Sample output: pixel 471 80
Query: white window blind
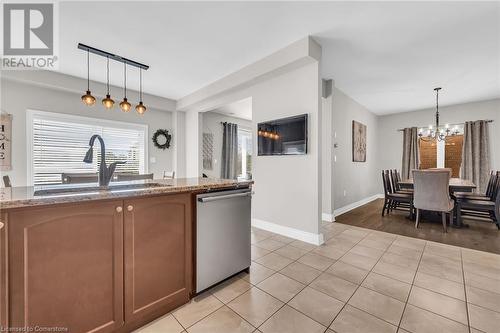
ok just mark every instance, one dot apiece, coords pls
pixel 59 143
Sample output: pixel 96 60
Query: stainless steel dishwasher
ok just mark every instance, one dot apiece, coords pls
pixel 222 235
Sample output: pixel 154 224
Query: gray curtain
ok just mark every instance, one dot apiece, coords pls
pixel 476 154
pixel 229 165
pixel 410 152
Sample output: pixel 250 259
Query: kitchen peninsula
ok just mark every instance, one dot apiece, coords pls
pixel 89 259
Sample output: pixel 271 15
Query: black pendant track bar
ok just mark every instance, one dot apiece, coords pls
pixel 112 56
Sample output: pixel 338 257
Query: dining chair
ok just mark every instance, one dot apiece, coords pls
pixel 168 174
pixel 79 178
pixel 489 209
pixel 122 176
pixel 431 193
pixel 393 200
pixel 395 179
pixel 490 190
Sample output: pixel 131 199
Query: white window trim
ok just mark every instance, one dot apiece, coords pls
pixel 30 114
pixel 244 151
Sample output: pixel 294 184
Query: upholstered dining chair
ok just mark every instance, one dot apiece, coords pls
pixel 431 193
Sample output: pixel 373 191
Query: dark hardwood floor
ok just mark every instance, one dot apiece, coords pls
pixel 483 236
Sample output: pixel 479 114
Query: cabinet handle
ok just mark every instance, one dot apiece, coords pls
pixel 1 225
pixel 119 209
pixel 130 208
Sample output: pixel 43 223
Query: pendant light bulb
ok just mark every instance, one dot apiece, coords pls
pixel 107 102
pixel 140 108
pixel 88 99
pixel 125 105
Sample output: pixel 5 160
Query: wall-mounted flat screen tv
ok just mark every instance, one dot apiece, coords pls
pixel 287 136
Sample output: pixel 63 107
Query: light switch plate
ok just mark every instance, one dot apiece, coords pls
pixel 152 159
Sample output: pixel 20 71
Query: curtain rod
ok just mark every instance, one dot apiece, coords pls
pixel 451 125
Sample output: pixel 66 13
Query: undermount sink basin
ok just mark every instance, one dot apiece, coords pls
pixel 65 190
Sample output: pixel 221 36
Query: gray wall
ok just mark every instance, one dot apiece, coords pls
pixel 17 97
pixel 212 124
pixel 391 141
pixel 357 179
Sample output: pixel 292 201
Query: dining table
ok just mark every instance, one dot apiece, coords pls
pixel 456 185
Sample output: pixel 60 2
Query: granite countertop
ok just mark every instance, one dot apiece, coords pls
pixel 28 196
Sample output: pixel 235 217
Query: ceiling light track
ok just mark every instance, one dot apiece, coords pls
pixel 108 102
pixel 112 56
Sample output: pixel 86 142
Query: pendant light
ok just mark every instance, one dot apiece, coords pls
pixel 140 108
pixel 88 99
pixel 125 105
pixel 107 102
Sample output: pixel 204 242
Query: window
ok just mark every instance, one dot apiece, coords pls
pixel 442 154
pixel 244 153
pixel 57 144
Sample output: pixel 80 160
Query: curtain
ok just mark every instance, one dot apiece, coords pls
pixel 410 152
pixel 229 167
pixel 476 154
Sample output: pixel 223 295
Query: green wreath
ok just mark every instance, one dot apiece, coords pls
pixel 164 133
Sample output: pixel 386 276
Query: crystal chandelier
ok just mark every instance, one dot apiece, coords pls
pixel 438 133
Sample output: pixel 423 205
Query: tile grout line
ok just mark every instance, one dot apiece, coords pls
pixel 359 285
pixel 305 286
pixel 411 286
pixel 465 291
pixel 371 232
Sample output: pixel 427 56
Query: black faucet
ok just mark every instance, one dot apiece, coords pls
pixel 105 173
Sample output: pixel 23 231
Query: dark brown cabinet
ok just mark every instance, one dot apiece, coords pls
pixel 96 267
pixel 157 255
pixel 66 267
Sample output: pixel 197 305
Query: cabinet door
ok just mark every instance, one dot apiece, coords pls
pixel 4 314
pixel 66 267
pixel 158 255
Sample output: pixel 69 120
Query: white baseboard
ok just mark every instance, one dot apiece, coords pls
pixel 328 217
pixel 308 237
pixel 345 209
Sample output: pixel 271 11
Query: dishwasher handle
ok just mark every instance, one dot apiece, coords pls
pixel 224 197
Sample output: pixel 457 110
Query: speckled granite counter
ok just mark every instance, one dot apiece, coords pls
pixel 18 197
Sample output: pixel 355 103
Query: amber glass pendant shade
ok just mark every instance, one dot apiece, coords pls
pixel 108 102
pixel 125 105
pixel 140 108
pixel 88 99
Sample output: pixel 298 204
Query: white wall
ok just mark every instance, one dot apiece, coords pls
pixel 287 188
pixel 327 184
pixel 391 141
pixel 212 124
pixel 359 180
pixel 17 97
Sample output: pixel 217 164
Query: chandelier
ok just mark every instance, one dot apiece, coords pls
pixel 438 133
pixel 108 102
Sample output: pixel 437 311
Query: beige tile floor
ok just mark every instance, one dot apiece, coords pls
pixel 360 280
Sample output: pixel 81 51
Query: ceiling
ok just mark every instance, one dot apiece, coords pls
pixel 388 56
pixel 239 109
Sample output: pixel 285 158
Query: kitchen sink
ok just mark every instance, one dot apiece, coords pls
pixel 85 189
